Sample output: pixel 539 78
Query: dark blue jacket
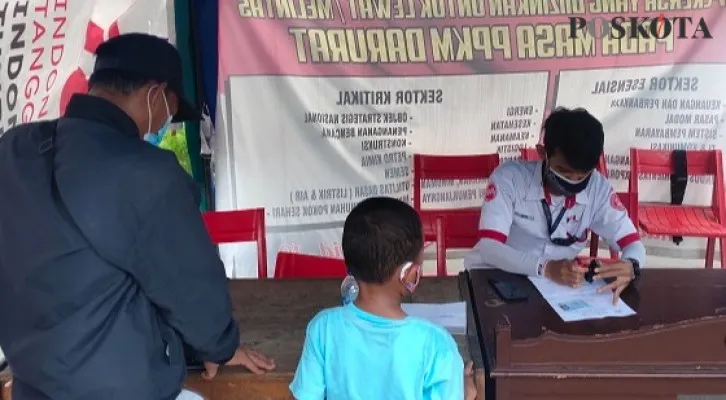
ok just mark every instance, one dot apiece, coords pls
pixel 103 315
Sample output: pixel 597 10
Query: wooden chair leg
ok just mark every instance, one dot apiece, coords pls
pixel 440 259
pixel 440 248
pixel 710 252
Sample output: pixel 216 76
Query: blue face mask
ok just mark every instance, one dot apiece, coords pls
pixel 156 137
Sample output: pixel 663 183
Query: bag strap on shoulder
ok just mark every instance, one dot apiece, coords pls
pixel 47 147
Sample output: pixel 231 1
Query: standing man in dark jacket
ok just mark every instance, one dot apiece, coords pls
pixel 106 268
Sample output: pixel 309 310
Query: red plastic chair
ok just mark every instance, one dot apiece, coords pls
pixel 529 154
pixel 292 265
pixel 684 220
pixel 240 226
pixel 450 228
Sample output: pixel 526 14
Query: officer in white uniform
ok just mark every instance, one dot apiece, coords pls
pixel 537 216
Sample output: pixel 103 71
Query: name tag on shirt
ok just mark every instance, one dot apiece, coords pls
pixel 523 216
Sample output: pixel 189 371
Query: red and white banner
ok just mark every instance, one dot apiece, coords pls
pixel 46 49
pixel 323 102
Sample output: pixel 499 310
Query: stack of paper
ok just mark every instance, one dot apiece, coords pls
pixel 578 304
pixel 451 316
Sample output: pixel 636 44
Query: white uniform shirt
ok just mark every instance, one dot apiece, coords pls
pixel 514 231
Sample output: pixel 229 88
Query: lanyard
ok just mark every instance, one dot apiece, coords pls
pixel 548 216
pixel 564 242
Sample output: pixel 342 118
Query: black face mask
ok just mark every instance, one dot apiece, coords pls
pixel 559 184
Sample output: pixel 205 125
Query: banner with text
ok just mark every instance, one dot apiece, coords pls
pixel 323 102
pixel 46 49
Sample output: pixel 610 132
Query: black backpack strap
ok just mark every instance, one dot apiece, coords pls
pixel 47 149
pixel 679 181
pixel 47 139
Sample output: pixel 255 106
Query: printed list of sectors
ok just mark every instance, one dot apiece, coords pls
pixel 361 133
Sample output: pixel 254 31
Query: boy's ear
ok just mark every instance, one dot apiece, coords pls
pixel 413 274
pixel 541 151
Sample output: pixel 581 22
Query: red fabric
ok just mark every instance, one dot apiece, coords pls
pixel 493 235
pixel 240 226
pixel 628 240
pixel 297 266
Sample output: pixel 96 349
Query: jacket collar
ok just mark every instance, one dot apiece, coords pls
pixel 100 110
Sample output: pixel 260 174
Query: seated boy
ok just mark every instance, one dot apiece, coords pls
pixel 371 349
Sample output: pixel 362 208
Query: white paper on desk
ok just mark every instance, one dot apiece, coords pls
pixel 451 316
pixel 579 304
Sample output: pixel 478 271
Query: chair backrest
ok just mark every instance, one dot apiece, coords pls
pixel 625 201
pixel 698 162
pixel 450 229
pixel 660 162
pixel 437 167
pixel 292 265
pixel 240 226
pixel 530 154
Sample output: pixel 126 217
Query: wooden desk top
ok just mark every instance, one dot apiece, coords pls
pixel 680 327
pixel 273 315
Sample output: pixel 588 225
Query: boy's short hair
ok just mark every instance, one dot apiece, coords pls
pixel 380 234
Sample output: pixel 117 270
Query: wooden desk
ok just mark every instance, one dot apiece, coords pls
pixel 675 345
pixel 273 315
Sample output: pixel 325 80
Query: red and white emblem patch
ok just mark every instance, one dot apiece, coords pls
pixel 615 202
pixel 491 192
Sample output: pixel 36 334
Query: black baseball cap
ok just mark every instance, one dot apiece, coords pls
pixel 149 57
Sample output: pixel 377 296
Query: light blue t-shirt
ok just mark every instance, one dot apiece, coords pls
pixel 350 354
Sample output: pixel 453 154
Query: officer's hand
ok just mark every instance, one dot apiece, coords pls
pixel 623 273
pixel 256 362
pixel 565 272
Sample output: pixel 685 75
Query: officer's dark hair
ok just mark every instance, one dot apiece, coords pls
pixel 379 235
pixel 577 134
pixel 121 82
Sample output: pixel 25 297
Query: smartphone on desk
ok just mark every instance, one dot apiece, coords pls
pixel 509 292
